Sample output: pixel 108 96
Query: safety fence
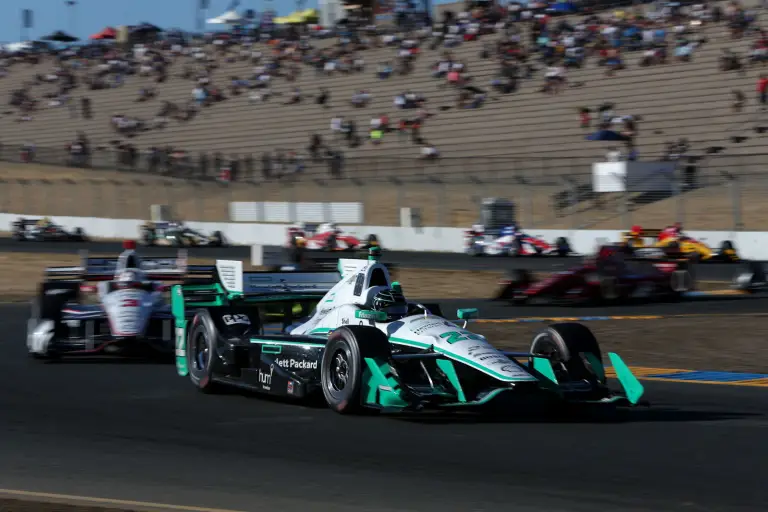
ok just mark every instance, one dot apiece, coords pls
pixel 719 193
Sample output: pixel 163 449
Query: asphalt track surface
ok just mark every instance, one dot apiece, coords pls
pixel 138 432
pixel 438 261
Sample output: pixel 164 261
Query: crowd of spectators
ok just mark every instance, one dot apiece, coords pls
pixel 526 46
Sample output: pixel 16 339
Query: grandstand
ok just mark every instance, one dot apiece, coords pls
pixel 517 145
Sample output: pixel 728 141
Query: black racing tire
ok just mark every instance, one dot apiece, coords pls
pixel 517 279
pixel 201 352
pixel 681 281
pixel 563 343
pixel 341 368
pixel 608 288
pixel 518 248
pixel 731 255
pixel 331 243
pixel 218 236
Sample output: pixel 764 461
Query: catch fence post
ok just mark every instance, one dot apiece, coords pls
pixel 736 206
pixel 680 197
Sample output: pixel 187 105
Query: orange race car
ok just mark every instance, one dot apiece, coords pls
pixel 672 242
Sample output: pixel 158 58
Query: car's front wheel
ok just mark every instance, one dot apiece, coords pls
pixel 341 369
pixel 573 352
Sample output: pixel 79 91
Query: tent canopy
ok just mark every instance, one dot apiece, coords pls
pixel 229 17
pixel 107 33
pixel 60 37
pixel 145 28
pixel 305 16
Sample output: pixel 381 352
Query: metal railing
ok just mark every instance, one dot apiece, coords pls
pixel 719 192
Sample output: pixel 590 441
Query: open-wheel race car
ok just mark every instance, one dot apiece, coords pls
pixel 672 242
pixel 352 338
pixel 177 234
pixel 44 230
pixel 511 241
pixel 327 237
pixel 612 275
pixel 128 316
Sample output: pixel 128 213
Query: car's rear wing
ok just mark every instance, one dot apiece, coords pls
pixel 104 268
pixel 644 233
pixel 234 280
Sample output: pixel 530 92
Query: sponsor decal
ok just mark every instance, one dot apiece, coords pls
pixel 345 321
pixel 296 364
pixel 366 315
pixel 180 345
pixel 265 379
pixel 290 387
pixel 236 319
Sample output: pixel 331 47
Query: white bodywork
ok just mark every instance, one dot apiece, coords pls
pixel 129 309
pixel 362 280
pixel 128 300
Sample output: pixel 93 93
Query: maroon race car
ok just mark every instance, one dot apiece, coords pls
pixel 611 276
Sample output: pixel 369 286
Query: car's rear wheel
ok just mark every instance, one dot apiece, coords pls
pixel 573 352
pixel 341 368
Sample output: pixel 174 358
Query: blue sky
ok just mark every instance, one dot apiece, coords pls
pixel 90 16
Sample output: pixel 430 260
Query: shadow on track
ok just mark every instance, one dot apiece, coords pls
pixel 576 415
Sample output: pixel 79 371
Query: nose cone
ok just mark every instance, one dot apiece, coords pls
pixel 128 312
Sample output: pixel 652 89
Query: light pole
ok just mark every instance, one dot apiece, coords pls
pixel 71 4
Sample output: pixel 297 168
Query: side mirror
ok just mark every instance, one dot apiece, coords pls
pixel 367 314
pixel 467 314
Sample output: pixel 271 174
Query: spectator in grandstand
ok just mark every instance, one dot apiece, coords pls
pixel 730 61
pixel 738 101
pixel 762 90
pixel 429 151
pixel 361 99
pixel 384 70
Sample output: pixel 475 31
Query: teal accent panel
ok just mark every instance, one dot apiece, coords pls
pixel 596 365
pixel 180 329
pixel 629 382
pixel 380 387
pixel 544 367
pixel 448 369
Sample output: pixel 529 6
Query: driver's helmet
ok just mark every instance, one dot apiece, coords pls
pixel 678 227
pixel 508 230
pixel 128 276
pixel 392 302
pixel 636 231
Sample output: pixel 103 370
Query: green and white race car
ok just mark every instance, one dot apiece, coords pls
pixel 353 338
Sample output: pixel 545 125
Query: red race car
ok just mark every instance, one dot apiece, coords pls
pixel 327 237
pixel 610 276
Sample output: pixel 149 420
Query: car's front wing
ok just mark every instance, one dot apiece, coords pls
pixel 383 389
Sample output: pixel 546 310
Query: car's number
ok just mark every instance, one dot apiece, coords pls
pixel 456 336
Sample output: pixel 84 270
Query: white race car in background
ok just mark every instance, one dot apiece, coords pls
pixel 510 241
pixel 129 316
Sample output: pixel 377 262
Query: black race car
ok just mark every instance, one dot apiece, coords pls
pixel 43 230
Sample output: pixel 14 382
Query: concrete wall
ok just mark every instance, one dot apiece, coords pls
pixel 749 244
